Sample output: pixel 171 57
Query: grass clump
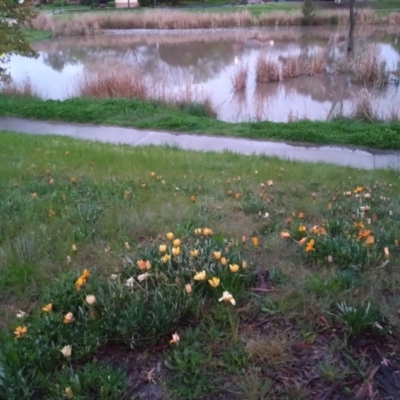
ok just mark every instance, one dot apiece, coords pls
pixel 125 271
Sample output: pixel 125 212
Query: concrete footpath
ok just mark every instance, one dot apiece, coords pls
pixel 134 137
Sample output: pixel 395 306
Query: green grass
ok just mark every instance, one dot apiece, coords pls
pixel 149 115
pixel 34 35
pixel 116 203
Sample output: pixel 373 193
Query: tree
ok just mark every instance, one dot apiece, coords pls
pixel 308 10
pixel 353 15
pixel 13 17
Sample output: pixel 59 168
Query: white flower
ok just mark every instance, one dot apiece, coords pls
pixel 143 277
pixel 266 215
pixel 226 296
pixel 90 299
pixel 67 351
pixel 175 339
pixel 130 282
pixel 270 182
pixel 21 314
pixel 114 277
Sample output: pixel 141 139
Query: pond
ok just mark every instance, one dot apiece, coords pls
pixel 206 61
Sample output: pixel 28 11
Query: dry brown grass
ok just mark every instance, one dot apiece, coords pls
pixel 315 64
pixel 367 67
pixel 23 88
pixel 363 108
pixel 111 81
pixel 87 24
pixel 291 68
pixel 239 78
pixel 267 69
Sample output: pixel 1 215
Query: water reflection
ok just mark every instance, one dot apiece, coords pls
pixel 207 60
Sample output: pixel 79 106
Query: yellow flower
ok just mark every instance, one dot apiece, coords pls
pixel 176 242
pixel 194 253
pixel 68 392
pixel 163 248
pixel 237 196
pixel 166 258
pixel 244 264
pixel 47 308
pixel 90 299
pixel 68 318
pixel 152 173
pixel 359 225
pixel 214 281
pixel 74 248
pixel 207 232
pixel 20 331
pixel 127 194
pixel 285 235
pixel 176 251
pixel 51 181
pixel 310 245
pixel 170 236
pixel 81 281
pixel 200 276
pixel 359 189
pixel 175 338
pixel 188 288
pixel 217 255
pixel 224 261
pixel 370 240
pixel 234 267
pixel 302 228
pixel 66 351
pixel 226 296
pixel 198 231
pixel 193 199
pixel 255 241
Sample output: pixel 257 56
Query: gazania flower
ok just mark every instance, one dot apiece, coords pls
pixel 20 331
pixel 176 251
pixel 364 233
pixel 193 199
pixel 302 241
pixel 194 253
pixel 227 297
pixel 47 308
pixel 166 258
pixel 68 392
pixel 85 273
pixel 237 196
pixel 170 236
pixel 130 282
pixel 143 265
pixel 127 246
pixel 163 248
pixel 152 173
pixel 359 225
pixel 223 261
pixel 200 276
pixel 175 338
pixel 367 195
pixel 310 245
pixel 207 232
pixel 244 264
pixel 318 230
pixel 127 193
pixel 270 182
pixel 34 195
pixel 198 231
pixel 285 235
pixel 81 281
pixel 255 241
pixel 90 299
pixel 66 351
pixel 358 189
pixel 72 179
pixel 214 281
pixel 302 228
pixel 188 288
pixel 234 267
pixel 51 181
pixel 68 318
pixel 69 260
pixel 143 277
pixel 370 240
pixel 74 248
pixel 176 242
pixel 217 255
pixel 386 252
pixel 20 314
pixel 301 215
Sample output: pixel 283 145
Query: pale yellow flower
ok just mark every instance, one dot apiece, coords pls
pixel 175 338
pixel 224 261
pixel 244 264
pixel 188 288
pixel 244 239
pixel 20 331
pixel 90 299
pixel 194 253
pixel 200 276
pixel 176 242
pixel 217 255
pixel 285 235
pixel 214 281
pixel 162 248
pixel 127 246
pixel 198 231
pixel 227 297
pixel 66 351
pixel 74 248
pixel 270 182
pixel 207 232
pixel 176 251
pixel 68 318
pixel 234 267
pixel 170 236
pixel 166 258
pixel 68 392
pixel 20 314
pixel 143 277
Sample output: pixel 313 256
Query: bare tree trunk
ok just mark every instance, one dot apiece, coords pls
pixel 350 46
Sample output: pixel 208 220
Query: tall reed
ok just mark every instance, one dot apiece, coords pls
pixel 267 69
pixel 239 78
pixel 363 106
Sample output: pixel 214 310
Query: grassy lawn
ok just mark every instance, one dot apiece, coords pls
pixel 309 254
pixel 156 116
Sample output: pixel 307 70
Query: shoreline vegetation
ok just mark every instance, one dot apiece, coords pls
pixel 192 119
pixel 95 23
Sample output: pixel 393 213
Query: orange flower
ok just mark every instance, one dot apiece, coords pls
pixel 364 233
pixel 370 240
pixel 237 196
pixel 310 245
pixel 318 230
pixel 301 215
pixel 255 241
pixel 81 281
pixel 302 241
pixel 143 265
pixel 359 189
pixel 85 273
pixel 193 199
pixel 229 192
pixel 72 179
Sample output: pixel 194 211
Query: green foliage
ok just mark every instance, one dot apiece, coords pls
pixel 151 115
pixel 308 10
pixel 12 38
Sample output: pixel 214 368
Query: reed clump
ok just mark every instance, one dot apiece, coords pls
pixel 239 78
pixel 267 69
